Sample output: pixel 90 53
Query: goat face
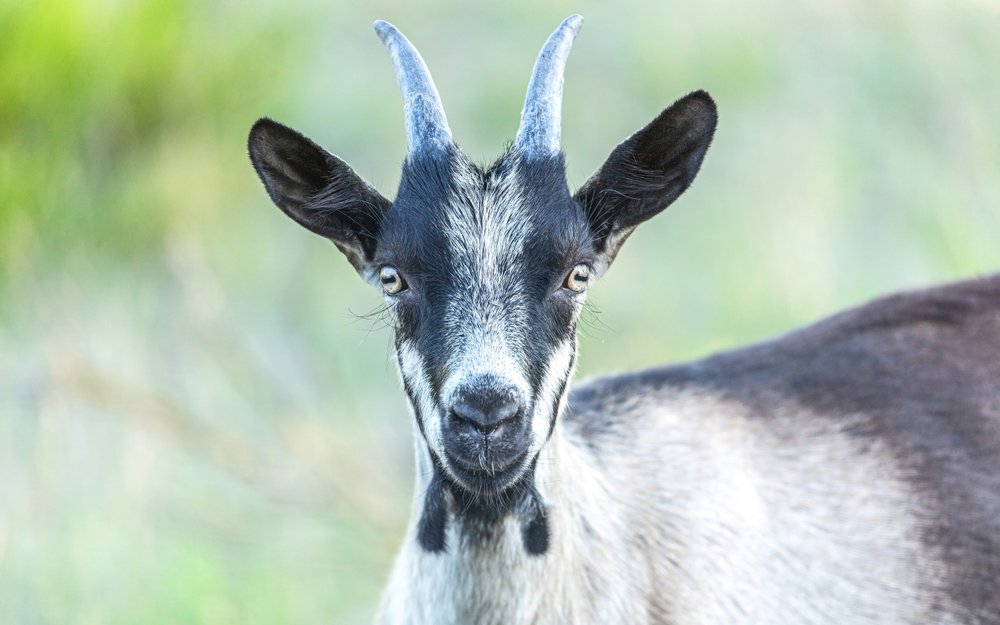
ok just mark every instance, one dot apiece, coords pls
pixel 485 270
pixel 485 273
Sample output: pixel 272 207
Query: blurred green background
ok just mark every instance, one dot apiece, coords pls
pixel 198 425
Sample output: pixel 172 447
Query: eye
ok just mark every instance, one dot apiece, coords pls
pixel 392 282
pixel 578 279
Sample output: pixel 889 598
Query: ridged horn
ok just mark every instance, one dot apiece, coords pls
pixel 426 126
pixel 541 119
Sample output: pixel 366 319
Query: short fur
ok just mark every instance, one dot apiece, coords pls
pixel 847 473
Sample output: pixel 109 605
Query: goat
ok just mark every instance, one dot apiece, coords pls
pixel 848 472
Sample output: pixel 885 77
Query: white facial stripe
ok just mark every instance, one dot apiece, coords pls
pixel 557 371
pixel 487 226
pixel 411 368
pixel 485 351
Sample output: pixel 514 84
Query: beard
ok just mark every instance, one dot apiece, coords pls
pixel 482 514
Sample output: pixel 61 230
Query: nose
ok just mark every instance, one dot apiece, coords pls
pixel 486 411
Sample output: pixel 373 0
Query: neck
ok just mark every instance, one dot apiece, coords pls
pixel 485 574
pixel 445 502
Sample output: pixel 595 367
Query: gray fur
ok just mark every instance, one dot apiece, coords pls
pixel 426 126
pixel 541 119
pixel 847 473
pixel 812 479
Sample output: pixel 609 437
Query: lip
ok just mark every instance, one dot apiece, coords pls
pixel 482 482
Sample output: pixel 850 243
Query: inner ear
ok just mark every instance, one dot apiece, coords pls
pixel 318 190
pixel 649 170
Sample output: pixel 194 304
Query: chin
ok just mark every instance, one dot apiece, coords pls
pixel 489 487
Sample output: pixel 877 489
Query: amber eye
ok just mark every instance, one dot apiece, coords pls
pixel 392 282
pixel 578 279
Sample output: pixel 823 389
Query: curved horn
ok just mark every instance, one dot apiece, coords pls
pixel 541 119
pixel 426 126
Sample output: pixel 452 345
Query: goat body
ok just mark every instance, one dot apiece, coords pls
pixel 848 473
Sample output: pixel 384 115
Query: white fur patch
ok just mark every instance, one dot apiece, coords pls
pixel 558 370
pixel 486 327
pixel 411 368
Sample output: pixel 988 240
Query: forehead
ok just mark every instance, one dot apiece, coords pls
pixel 450 213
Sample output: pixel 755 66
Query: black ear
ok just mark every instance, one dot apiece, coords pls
pixel 318 190
pixel 648 171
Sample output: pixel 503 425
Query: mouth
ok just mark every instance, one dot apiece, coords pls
pixel 487 480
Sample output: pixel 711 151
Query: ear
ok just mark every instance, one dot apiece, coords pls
pixel 318 190
pixel 648 171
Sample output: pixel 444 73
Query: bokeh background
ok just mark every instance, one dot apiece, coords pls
pixel 199 423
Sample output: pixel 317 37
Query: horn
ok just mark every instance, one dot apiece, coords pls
pixel 426 126
pixel 541 119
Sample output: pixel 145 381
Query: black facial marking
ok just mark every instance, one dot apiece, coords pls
pixel 533 516
pixel 434 519
pixel 479 516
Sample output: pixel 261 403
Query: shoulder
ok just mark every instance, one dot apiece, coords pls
pixel 912 344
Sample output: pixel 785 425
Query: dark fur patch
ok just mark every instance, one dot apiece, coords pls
pixel 318 190
pixel 649 170
pixel 480 517
pixel 434 519
pixel 533 516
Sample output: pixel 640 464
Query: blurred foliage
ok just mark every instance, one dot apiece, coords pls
pixel 102 104
pixel 198 421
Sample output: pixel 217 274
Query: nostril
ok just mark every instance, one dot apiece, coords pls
pixel 465 414
pixel 485 414
pixel 506 410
